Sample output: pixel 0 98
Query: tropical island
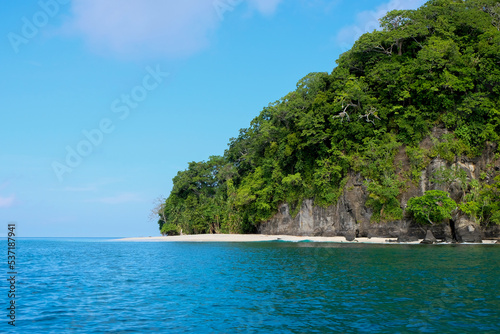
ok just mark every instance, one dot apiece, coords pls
pixel 400 140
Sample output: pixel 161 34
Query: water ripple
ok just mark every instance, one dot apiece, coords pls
pixel 97 287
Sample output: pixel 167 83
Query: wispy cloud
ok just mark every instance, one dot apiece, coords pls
pixel 121 198
pixel 368 21
pixel 151 27
pixel 7 202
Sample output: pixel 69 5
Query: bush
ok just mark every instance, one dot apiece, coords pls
pixel 434 207
pixel 170 229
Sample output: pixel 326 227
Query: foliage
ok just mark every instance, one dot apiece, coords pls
pixel 418 161
pixel 438 65
pixel 383 200
pixel 449 148
pixel 447 176
pixel 433 207
pixel 483 202
pixel 490 200
pixel 169 229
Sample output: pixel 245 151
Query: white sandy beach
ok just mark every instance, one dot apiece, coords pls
pixel 255 238
pixel 262 237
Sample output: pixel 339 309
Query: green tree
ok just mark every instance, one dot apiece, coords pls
pixel 437 66
pixel 433 207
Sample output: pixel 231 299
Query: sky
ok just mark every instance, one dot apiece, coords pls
pixel 104 101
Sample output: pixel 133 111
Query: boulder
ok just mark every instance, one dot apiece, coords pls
pixel 467 230
pixel 442 231
pixel 491 231
pixel 350 236
pixel 429 238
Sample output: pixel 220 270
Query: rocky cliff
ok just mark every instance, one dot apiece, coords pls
pixel 350 217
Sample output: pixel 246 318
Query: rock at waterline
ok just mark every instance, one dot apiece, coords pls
pixel 429 238
pixel 350 236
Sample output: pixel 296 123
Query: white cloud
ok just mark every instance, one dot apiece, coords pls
pixel 119 199
pixel 367 21
pixel 152 27
pixel 7 202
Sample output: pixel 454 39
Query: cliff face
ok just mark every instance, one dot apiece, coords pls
pixel 350 217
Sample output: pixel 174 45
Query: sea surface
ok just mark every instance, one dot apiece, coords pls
pixel 100 286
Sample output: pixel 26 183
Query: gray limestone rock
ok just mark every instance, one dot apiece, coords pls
pixel 350 216
pixel 350 236
pixel 467 230
pixel 429 238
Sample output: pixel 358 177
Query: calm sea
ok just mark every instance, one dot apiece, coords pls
pixel 98 286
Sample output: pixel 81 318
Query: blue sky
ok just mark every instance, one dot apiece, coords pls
pixel 104 101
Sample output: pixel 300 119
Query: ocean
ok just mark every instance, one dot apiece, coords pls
pixel 73 285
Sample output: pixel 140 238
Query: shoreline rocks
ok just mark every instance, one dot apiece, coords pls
pixel 351 217
pixel 429 238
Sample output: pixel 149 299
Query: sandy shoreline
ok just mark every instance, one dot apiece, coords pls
pixel 262 237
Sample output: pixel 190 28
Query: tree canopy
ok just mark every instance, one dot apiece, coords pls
pixel 438 65
pixel 434 207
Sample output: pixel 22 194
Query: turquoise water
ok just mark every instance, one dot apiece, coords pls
pixel 96 286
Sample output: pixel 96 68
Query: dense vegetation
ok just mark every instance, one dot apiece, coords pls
pixel 435 66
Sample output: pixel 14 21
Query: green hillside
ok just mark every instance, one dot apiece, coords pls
pixel 438 66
